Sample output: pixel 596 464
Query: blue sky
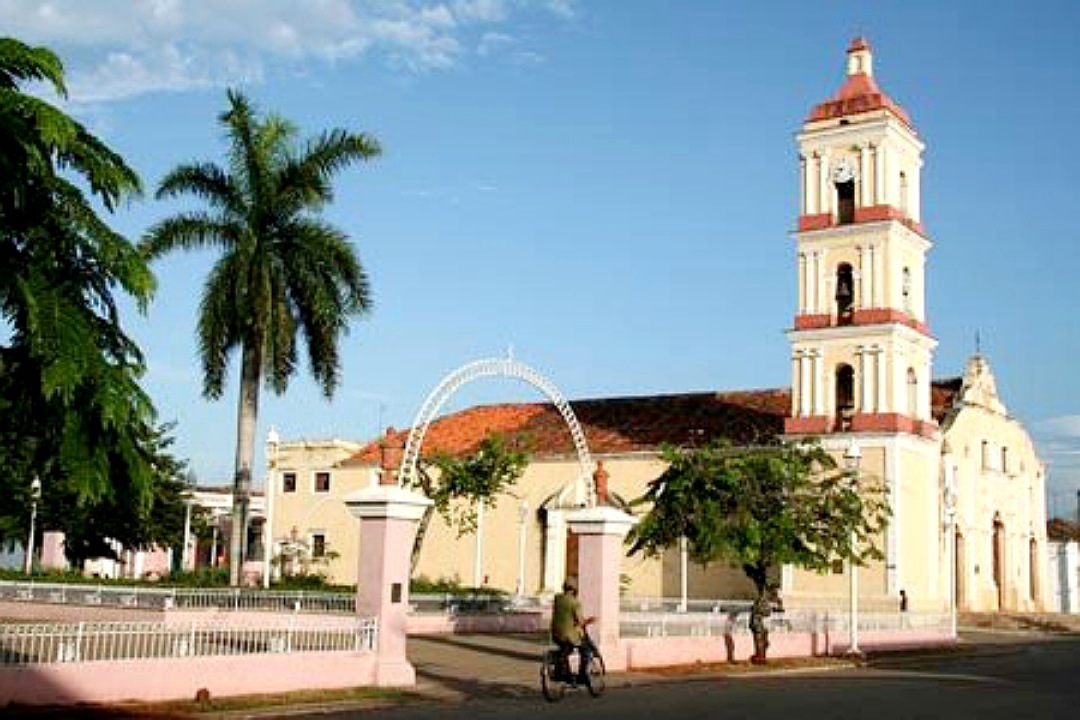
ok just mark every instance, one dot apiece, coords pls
pixel 606 186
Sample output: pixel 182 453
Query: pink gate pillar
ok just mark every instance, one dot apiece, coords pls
pixel 388 517
pixel 52 551
pixel 600 532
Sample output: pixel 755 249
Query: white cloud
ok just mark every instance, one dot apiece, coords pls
pixel 119 48
pixel 1064 426
pixel 493 42
pixel 562 8
pixel 488 11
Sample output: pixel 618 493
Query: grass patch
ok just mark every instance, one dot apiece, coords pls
pixel 299 699
pixel 745 667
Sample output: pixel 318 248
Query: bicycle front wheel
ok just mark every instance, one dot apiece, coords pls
pixel 596 676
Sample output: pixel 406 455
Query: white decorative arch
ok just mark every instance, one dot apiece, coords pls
pixel 495 367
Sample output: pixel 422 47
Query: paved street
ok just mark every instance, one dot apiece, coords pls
pixel 996 677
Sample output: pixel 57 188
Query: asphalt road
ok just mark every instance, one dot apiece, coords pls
pixel 996 677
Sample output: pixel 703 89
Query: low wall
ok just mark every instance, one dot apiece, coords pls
pixel 181 678
pixel 441 624
pixel 60 613
pixel 653 652
pixel 254 618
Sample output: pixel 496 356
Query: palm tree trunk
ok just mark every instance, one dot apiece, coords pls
pixel 247 415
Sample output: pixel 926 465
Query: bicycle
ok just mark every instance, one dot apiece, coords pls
pixel 555 681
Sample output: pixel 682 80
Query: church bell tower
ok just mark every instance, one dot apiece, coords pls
pixel 861 347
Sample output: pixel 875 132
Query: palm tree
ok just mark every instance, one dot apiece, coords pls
pixel 282 269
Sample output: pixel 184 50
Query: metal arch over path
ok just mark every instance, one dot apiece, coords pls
pixel 493 367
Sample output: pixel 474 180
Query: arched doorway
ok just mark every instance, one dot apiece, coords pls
pixel 961 579
pixel 845 200
pixel 845 294
pixel 845 396
pixel 999 560
pixel 1033 573
pixel 912 393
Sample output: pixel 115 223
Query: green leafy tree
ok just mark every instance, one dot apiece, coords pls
pixel 761 508
pixel 283 272
pixel 72 412
pixel 461 484
pixel 90 528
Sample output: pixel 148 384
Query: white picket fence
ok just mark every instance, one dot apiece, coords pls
pixel 149 598
pixel 31 644
pixel 708 624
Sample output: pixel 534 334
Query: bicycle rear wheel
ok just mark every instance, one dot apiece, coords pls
pixel 553 689
pixel 597 676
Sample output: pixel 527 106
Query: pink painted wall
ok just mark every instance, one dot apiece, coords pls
pixel 180 678
pixel 52 551
pixel 156 563
pixel 666 651
pixel 256 618
pixel 437 624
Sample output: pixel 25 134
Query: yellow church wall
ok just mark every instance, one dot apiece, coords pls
pixel 1014 494
pixel 918 526
pixel 446 555
pixel 831 589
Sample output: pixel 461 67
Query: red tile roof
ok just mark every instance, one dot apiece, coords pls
pixel 859 93
pixel 611 425
pixel 625 424
pixel 943 394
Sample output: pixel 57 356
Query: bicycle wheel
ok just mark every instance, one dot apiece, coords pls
pixel 597 676
pixel 553 689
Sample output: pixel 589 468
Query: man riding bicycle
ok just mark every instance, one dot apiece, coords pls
pixel 568 630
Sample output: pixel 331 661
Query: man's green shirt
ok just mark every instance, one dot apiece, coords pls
pixel 566 618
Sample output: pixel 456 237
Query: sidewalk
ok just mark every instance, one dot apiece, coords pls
pixel 459 668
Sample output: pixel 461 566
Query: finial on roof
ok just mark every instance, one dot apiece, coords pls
pixel 978 343
pixel 860 59
pixel 510 352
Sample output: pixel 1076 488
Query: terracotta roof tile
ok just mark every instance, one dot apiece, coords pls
pixel 859 93
pixel 625 424
pixel 611 425
pixel 943 394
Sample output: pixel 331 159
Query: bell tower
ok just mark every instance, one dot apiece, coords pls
pixel 861 347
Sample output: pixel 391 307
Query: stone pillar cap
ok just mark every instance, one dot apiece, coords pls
pixel 387 501
pixel 600 520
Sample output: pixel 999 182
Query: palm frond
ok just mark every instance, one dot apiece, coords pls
pixel 206 181
pixel 190 231
pixel 221 311
pixel 20 62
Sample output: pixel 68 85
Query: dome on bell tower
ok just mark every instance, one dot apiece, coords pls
pixel 860 92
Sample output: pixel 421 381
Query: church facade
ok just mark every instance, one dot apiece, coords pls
pixel 963 480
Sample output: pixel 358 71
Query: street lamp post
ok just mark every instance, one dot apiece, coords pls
pixel 523 516
pixel 950 531
pixel 853 459
pixel 683 568
pixel 35 495
pixel 273 443
pixel 185 552
pixel 478 560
